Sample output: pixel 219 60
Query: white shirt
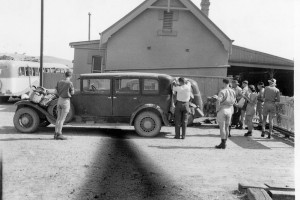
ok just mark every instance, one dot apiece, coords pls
pixel 183 92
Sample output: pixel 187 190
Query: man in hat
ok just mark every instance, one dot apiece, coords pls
pixel 183 92
pixel 271 97
pixel 245 92
pixel 225 100
pixel 237 111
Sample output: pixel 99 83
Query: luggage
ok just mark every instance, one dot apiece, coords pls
pixel 36 97
pixel 46 100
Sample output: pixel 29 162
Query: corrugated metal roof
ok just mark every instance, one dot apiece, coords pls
pixel 241 55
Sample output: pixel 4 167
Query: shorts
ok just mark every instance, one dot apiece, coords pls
pixel 63 104
pixel 224 115
pixel 269 109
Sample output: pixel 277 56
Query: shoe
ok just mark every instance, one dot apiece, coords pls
pixel 248 134
pixel 229 135
pixel 55 136
pixel 269 136
pixel 262 134
pixel 222 145
pixel 183 138
pixel 176 137
pixel 61 137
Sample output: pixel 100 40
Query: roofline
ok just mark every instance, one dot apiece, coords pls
pixel 72 44
pixel 266 54
pixel 197 12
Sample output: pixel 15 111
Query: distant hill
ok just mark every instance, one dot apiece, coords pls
pixel 47 59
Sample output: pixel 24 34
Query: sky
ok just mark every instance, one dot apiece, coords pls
pixel 262 25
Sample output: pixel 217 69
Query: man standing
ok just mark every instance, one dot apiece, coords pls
pixel 237 111
pixel 271 97
pixel 260 101
pixel 65 90
pixel 183 94
pixel 245 92
pixel 225 101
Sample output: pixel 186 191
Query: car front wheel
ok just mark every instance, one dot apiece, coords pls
pixel 147 124
pixel 26 120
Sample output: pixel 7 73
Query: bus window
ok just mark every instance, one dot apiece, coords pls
pixel 28 71
pixel 36 71
pixel 21 71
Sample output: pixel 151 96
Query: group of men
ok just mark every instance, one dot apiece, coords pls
pixel 228 106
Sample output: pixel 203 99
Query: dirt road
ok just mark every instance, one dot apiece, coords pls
pixel 118 164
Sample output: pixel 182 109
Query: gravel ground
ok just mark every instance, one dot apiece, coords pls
pixel 118 164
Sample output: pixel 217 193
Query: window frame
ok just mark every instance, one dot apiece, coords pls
pixel 150 94
pixel 127 93
pixel 93 92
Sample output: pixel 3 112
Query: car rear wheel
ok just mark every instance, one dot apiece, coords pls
pixel 52 110
pixel 26 120
pixel 147 124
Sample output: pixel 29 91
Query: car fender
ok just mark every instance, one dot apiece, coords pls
pixel 151 106
pixel 35 106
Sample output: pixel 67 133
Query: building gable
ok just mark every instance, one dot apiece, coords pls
pixel 168 5
pixel 173 3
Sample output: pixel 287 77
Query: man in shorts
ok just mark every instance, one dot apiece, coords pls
pixel 225 101
pixel 271 97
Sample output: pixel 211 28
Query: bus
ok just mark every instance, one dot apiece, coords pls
pixel 17 77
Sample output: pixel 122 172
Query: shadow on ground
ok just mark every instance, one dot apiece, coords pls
pixel 247 143
pixel 125 172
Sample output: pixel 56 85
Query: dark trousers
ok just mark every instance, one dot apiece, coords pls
pixel 235 120
pixel 182 110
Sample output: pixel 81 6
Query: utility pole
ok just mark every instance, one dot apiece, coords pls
pixel 42 43
pixel 89 26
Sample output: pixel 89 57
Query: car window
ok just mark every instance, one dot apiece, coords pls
pixel 150 86
pixel 99 86
pixel 127 86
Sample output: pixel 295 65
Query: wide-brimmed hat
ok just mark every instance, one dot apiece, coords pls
pixel 246 82
pixel 272 81
pixel 235 81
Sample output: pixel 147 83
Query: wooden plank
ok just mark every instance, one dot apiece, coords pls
pixel 257 194
pixel 242 187
pixel 279 187
pixel 282 195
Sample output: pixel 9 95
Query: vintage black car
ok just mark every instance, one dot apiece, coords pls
pixel 141 100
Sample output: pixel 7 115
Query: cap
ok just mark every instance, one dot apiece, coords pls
pixel 272 81
pixel 235 81
pixel 245 81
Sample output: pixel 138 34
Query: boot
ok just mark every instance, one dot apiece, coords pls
pixel 262 134
pixel 61 137
pixel 222 145
pixel 269 135
pixel 248 134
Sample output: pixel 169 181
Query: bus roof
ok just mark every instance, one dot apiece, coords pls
pixel 12 63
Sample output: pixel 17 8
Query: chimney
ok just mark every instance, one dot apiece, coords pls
pixel 205 7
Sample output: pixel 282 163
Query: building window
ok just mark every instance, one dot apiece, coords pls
pixel 168 21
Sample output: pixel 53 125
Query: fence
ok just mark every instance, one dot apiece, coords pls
pixel 285 114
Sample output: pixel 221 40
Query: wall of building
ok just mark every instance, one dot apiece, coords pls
pixel 83 57
pixel 194 50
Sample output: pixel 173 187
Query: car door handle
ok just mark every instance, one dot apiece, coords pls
pixel 134 98
pixel 109 97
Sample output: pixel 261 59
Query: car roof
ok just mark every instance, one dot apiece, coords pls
pixel 126 74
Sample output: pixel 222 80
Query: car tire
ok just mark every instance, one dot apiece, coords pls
pixel 52 110
pixel 147 124
pixel 26 120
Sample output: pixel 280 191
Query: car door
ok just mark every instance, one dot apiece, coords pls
pixel 95 98
pixel 126 96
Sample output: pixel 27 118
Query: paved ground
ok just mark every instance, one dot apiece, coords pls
pixel 117 164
